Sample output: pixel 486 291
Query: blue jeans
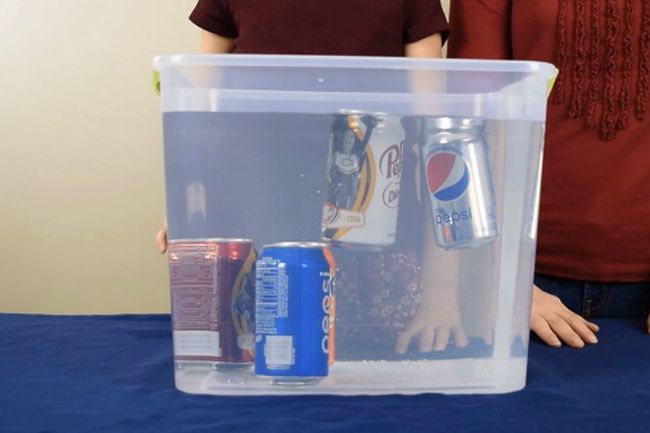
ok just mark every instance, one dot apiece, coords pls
pixel 593 299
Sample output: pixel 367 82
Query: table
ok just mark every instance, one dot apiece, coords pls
pixel 114 374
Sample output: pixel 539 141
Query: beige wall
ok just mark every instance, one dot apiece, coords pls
pixel 80 153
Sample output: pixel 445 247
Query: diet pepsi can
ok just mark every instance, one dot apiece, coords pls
pixel 213 305
pixel 459 182
pixel 364 172
pixel 292 307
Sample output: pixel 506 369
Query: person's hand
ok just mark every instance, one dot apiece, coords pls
pixel 648 323
pixel 555 324
pixel 161 239
pixel 437 318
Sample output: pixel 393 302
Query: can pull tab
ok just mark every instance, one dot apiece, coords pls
pixel 551 82
pixel 156 82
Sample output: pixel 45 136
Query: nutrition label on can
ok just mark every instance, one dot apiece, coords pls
pixel 194 292
pixel 193 278
pixel 272 293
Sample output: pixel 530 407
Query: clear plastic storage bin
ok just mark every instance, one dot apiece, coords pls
pixel 419 179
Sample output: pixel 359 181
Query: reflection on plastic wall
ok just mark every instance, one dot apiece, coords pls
pixel 196 202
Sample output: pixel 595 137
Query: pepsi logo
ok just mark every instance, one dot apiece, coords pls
pixel 447 175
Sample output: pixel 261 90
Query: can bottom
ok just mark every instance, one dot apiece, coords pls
pixel 292 380
pixel 232 365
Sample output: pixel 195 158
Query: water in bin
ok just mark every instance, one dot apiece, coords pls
pixel 378 272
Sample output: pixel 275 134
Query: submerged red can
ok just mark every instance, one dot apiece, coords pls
pixel 213 300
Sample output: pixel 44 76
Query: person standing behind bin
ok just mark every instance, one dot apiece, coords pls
pixel 593 246
pixel 411 28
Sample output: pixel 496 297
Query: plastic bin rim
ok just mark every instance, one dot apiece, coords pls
pixel 309 61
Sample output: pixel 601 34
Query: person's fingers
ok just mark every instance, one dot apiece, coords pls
pixel 648 323
pixel 402 343
pixel 567 326
pixel 580 327
pixel 404 338
pixel 161 240
pixel 565 332
pixel 442 339
pixel 459 336
pixel 592 326
pixel 540 327
pixel 488 336
pixel 426 339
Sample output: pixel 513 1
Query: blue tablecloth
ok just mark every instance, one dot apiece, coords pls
pixel 114 374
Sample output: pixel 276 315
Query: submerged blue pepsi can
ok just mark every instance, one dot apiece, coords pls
pixel 293 303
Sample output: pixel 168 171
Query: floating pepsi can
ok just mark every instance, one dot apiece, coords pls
pixel 293 302
pixel 459 182
pixel 364 172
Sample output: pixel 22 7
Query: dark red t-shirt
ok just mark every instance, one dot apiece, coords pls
pixel 594 221
pixel 324 27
